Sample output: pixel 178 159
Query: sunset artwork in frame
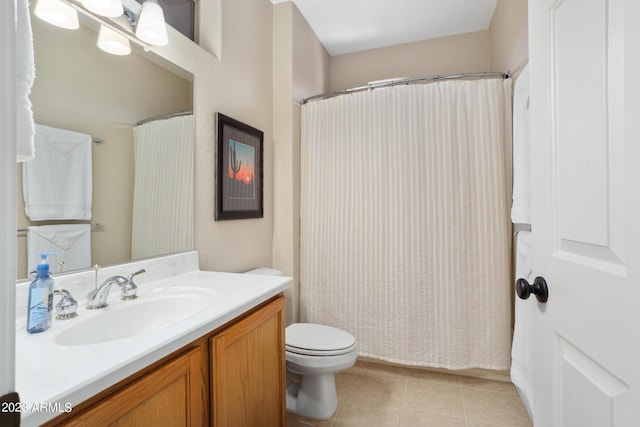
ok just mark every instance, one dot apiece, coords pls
pixel 239 170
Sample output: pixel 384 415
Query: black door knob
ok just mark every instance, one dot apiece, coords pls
pixel 538 288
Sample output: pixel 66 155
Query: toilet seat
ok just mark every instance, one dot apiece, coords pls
pixel 307 352
pixel 311 339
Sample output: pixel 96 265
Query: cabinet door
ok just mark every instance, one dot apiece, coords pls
pixel 172 395
pixel 248 370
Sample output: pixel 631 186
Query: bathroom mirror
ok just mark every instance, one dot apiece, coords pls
pixel 78 87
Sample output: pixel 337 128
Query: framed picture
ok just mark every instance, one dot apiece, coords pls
pixel 239 172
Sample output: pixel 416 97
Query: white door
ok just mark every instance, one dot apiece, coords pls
pixel 585 134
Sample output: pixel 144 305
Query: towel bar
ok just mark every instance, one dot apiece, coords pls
pixel 94 227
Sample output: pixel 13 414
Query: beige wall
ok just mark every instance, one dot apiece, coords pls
pixel 238 82
pixel 464 53
pixel 508 36
pixel 79 87
pixel 510 50
pixel 311 62
pixel 301 69
pixel 239 85
pixel 503 47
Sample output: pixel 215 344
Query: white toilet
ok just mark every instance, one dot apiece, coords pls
pixel 314 353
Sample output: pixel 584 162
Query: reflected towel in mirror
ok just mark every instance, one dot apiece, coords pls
pixel 71 244
pixel 57 183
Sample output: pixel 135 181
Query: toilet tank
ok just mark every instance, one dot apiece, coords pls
pixel 288 293
pixel 265 271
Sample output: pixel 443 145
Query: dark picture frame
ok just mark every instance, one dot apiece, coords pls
pixel 239 177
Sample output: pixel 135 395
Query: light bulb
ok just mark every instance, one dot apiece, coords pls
pixel 57 13
pixel 112 42
pixel 151 27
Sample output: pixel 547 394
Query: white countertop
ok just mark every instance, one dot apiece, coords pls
pixel 51 377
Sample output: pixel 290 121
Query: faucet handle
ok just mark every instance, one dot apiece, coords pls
pixel 130 277
pixel 129 289
pixel 67 306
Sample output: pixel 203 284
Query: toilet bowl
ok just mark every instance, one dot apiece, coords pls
pixel 315 353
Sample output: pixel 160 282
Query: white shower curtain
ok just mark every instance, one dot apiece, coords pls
pixel 163 187
pixel 405 232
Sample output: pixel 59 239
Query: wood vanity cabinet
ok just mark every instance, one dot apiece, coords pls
pixel 170 395
pixel 248 371
pixel 233 377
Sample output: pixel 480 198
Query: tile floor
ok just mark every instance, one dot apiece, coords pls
pixel 372 394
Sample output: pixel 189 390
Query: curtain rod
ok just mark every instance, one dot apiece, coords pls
pixel 412 80
pixel 164 117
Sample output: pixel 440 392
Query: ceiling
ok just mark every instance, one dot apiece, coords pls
pixel 347 26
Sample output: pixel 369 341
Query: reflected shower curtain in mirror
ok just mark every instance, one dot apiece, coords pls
pixel 163 193
pixel 405 232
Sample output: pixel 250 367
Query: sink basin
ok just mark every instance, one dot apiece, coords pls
pixel 152 310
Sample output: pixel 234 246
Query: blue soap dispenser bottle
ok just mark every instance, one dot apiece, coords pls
pixel 39 310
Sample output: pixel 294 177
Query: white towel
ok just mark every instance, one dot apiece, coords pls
pixel 24 81
pixel 57 184
pixel 522 347
pixel 71 244
pixel 521 207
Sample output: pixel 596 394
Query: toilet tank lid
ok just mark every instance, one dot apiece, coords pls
pixel 265 271
pixel 311 336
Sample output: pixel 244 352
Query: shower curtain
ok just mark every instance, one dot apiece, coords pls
pixel 163 193
pixel 405 232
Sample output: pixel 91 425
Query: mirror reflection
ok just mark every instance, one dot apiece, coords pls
pixel 80 88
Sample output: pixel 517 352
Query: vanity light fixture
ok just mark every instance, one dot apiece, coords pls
pixel 118 24
pixel 108 8
pixel 151 27
pixel 112 42
pixel 57 13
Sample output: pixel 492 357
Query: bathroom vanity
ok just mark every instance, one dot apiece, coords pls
pixel 195 348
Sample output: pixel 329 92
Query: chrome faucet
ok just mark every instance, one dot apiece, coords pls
pixel 97 298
